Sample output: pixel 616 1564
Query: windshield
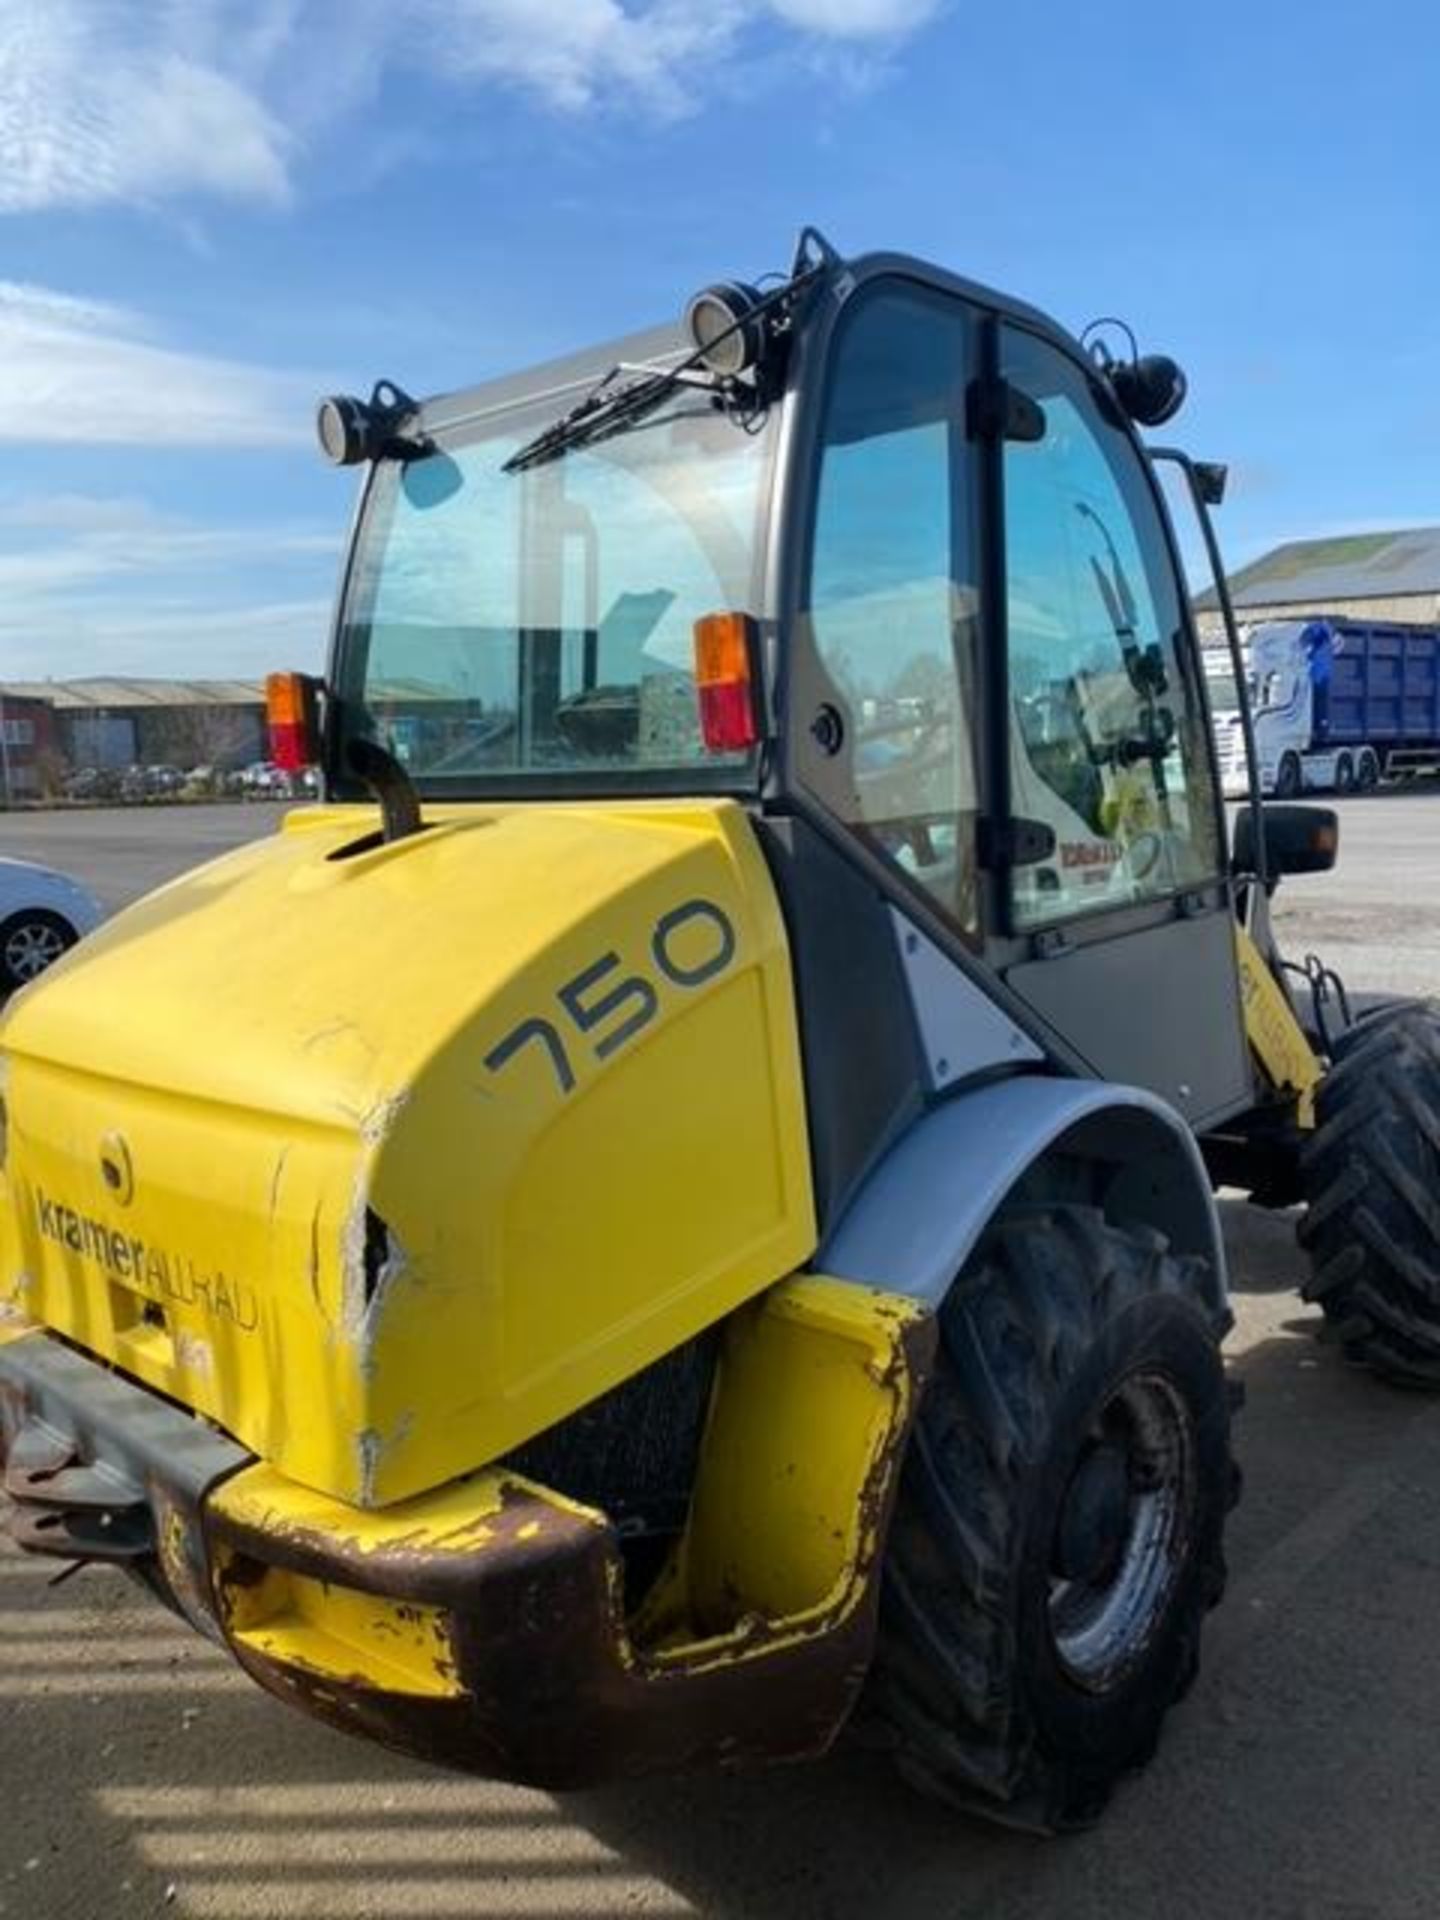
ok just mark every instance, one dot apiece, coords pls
pixel 538 626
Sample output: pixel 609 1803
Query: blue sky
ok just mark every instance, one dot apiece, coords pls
pixel 211 212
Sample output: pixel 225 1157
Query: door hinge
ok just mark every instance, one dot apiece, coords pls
pixel 1051 944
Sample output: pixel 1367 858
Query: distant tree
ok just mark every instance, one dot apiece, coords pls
pixel 51 767
pixel 210 736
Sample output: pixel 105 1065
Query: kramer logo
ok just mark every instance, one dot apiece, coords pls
pixel 152 1270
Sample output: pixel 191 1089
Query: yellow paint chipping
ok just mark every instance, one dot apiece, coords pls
pixel 456 1519
pixel 337 1633
pixel 814 1394
pixel 1276 1037
pixel 813 1398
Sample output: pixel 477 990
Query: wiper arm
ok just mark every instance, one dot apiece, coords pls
pixel 608 409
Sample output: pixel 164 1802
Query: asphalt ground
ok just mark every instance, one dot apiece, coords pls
pixel 140 1774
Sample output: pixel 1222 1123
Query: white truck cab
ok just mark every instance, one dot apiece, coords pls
pixel 1288 670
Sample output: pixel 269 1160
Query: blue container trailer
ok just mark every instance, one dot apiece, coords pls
pixel 1338 705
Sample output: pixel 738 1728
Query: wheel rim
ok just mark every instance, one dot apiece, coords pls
pixel 32 947
pixel 1122 1533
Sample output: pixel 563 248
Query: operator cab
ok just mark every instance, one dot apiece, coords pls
pixel 888 561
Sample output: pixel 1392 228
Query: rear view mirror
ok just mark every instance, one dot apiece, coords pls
pixel 1297 840
pixel 1210 479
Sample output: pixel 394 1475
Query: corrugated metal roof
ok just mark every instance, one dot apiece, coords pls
pixel 128 694
pixel 1355 566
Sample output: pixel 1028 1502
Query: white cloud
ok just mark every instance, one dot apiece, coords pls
pixel 175 639
pixel 135 101
pixel 94 584
pixel 80 513
pixel 856 19
pixel 108 102
pixel 579 53
pixel 81 371
pixel 178 639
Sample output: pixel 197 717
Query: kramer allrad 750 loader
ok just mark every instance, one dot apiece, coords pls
pixel 675 1209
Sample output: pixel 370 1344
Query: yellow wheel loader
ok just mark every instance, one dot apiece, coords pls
pixel 674 1208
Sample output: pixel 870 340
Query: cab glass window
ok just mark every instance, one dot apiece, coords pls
pixel 1108 735
pixel 888 639
pixel 536 628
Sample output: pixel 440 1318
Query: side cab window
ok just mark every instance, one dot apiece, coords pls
pixel 889 629
pixel 1109 744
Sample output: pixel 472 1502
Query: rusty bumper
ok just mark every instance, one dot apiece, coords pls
pixel 535 1678
pixel 486 1626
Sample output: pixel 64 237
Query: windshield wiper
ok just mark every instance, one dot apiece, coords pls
pixel 608 409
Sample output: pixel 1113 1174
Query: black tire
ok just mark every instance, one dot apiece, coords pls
pixel 1344 774
pixel 1371 1177
pixel 33 931
pixel 1013 1487
pixel 1287 777
pixel 1367 771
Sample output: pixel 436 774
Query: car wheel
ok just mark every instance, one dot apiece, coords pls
pixel 31 941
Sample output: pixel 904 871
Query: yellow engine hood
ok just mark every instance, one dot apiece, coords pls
pixel 385 1157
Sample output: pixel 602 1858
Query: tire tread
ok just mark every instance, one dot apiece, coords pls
pixel 942 1696
pixel 1371 1174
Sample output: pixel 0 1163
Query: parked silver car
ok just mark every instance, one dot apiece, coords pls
pixel 42 914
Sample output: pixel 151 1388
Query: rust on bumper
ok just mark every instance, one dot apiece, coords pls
pixel 484 1626
pixel 549 1690
pixel 522 1659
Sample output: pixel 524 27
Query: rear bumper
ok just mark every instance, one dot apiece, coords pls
pixel 99 1469
pixel 520 1665
pixel 484 1625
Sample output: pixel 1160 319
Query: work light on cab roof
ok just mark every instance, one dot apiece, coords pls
pixel 1151 387
pixel 351 430
pixel 728 324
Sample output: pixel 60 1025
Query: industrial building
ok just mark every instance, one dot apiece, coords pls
pixel 111 724
pixel 1359 576
pixel 29 756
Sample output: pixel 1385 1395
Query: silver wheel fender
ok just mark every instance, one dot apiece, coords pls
pixel 915 1220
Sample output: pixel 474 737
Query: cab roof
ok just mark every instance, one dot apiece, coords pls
pixel 661 344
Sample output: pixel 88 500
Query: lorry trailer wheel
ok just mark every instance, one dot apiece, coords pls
pixel 1287 777
pixel 1371 1175
pixel 1058 1534
pixel 1344 774
pixel 1367 772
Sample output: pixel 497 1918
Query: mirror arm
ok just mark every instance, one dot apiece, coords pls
pixel 391 785
pixel 1232 634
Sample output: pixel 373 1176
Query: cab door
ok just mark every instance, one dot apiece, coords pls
pixel 1112 915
